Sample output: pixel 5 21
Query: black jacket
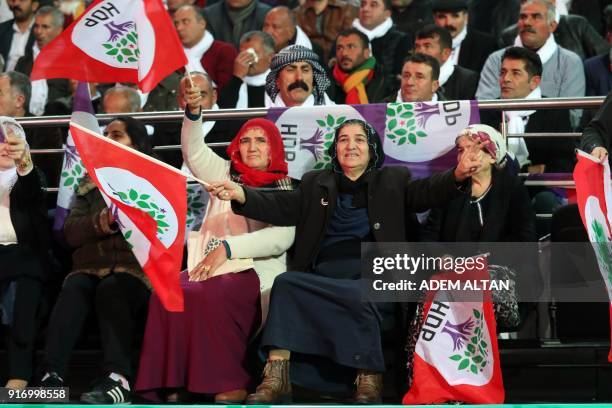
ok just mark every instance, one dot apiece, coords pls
pixel 573 33
pixel 58 88
pixel 461 85
pixel 377 89
pixel 508 216
pixel 6 38
pixel 228 97
pixel 392 198
pixel 557 154
pixel 475 49
pixel 217 19
pixel 29 215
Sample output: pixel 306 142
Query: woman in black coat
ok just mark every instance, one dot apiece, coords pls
pixel 24 244
pixel 317 316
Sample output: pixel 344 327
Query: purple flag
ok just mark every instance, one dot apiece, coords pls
pixel 73 169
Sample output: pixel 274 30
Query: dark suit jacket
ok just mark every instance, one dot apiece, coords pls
pixel 554 152
pixel 573 33
pixel 598 75
pixel 461 85
pixel 6 38
pixel 228 97
pixel 392 198
pixel 377 89
pixel 58 88
pixel 475 49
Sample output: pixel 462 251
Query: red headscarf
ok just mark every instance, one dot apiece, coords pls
pixel 277 169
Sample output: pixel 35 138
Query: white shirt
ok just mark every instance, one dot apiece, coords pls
pixel 18 45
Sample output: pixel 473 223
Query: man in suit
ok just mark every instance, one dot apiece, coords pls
pixel 470 46
pixel 204 52
pixel 16 34
pixel 419 80
pixel 357 77
pixel 246 88
pixel 573 33
pixel 48 24
pixel 389 45
pixel 520 77
pixel 456 83
pixel 229 20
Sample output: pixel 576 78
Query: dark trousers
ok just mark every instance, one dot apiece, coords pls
pixel 23 329
pixel 120 301
pixel 20 265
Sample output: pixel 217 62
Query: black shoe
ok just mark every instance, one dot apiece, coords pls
pixel 52 381
pixel 107 391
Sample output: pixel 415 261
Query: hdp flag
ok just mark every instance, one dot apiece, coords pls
pixel 149 201
pixel 594 195
pixel 115 41
pixel 456 356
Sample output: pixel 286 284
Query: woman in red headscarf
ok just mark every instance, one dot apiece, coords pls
pixel 232 262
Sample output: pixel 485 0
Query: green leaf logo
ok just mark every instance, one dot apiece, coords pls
pixel 401 125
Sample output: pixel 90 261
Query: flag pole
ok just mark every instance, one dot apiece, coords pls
pixel 189 75
pixel 140 154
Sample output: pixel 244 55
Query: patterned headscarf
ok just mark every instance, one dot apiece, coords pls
pixel 289 55
pixel 493 141
pixel 377 155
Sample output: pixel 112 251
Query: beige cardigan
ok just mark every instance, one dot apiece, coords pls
pixel 247 238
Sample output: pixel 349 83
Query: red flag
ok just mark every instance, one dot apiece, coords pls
pixel 456 356
pixel 115 41
pixel 149 201
pixel 594 195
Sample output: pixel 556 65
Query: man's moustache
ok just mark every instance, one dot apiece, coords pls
pixel 298 84
pixel 528 30
pixel 450 28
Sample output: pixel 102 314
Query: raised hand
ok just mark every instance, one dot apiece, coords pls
pixel 470 162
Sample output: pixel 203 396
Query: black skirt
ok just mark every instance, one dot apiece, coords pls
pixel 322 319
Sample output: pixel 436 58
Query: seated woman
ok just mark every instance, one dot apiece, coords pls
pixel 24 243
pixel 497 210
pixel 317 316
pixel 105 278
pixel 204 348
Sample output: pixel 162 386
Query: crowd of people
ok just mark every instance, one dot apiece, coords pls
pixel 310 324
